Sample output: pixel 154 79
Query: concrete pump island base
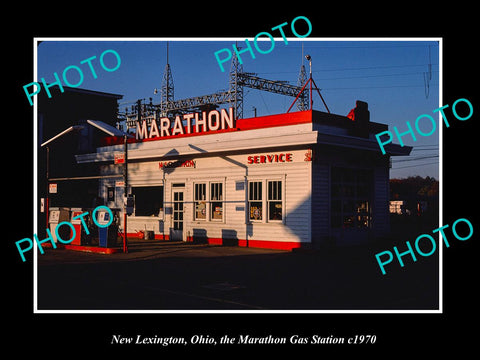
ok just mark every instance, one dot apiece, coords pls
pixel 295 180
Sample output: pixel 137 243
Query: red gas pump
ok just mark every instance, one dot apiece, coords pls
pixel 77 225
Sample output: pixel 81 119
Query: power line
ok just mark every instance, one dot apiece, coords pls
pixel 432 149
pixel 353 68
pixel 374 87
pixel 382 46
pixel 426 145
pixel 395 161
pixel 408 166
pixel 370 76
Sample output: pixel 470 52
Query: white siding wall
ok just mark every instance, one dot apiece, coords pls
pixel 234 172
pixel 297 212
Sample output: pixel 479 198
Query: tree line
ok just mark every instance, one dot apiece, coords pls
pixel 420 194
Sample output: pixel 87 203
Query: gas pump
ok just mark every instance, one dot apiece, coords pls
pixel 77 225
pixel 103 219
pixel 58 215
pixel 107 236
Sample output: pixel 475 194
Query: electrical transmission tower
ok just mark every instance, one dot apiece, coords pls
pixel 302 79
pixel 235 89
pixel 238 79
pixel 167 90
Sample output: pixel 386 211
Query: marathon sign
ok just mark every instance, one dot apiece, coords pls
pixel 175 164
pixel 193 123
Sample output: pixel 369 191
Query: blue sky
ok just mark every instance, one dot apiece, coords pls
pixel 388 75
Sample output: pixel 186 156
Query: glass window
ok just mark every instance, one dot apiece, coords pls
pixel 178 210
pixel 200 201
pixel 274 199
pixel 110 193
pixel 351 191
pixel 216 198
pixel 148 200
pixel 255 204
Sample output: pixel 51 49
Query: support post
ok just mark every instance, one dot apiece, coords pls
pixel 125 182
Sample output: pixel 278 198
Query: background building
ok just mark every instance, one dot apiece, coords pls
pixel 72 107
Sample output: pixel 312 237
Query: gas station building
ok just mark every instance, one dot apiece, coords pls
pixel 295 180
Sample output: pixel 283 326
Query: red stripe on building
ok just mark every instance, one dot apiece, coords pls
pixel 261 122
pixel 264 244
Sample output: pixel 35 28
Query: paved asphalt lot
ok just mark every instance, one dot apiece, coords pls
pixel 158 275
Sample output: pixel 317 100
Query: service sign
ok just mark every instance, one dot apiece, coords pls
pixel 280 157
pixel 270 158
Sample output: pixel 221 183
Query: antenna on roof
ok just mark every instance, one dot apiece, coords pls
pixel 312 82
pixel 427 76
pixel 301 60
pixel 302 78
